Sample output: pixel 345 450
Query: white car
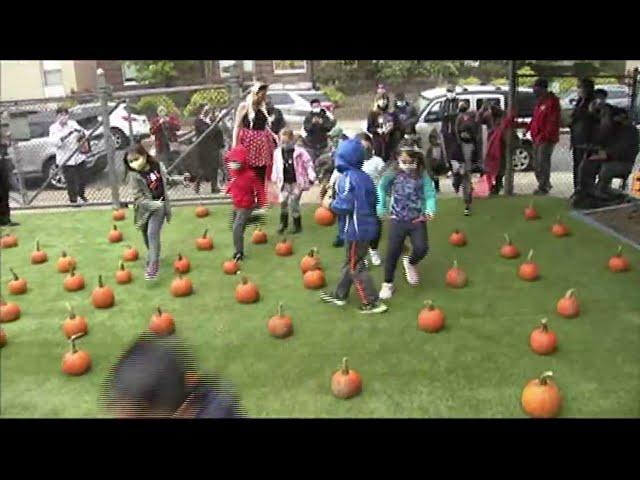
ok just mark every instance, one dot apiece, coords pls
pixel 295 105
pixel 118 120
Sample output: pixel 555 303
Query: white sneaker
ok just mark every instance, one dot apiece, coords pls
pixel 375 258
pixel 410 272
pixel 386 292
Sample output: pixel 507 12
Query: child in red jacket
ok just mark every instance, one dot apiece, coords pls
pixel 246 192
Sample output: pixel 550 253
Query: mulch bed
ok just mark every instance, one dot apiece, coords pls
pixel 624 220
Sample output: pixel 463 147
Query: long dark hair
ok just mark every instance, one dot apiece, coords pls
pixel 411 146
pixel 137 149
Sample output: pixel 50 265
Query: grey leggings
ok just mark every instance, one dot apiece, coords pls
pixel 241 218
pixel 152 234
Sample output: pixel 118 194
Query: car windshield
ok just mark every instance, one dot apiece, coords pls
pixel 310 96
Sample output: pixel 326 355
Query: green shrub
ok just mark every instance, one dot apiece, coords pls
pixel 334 95
pixel 470 81
pixel 217 98
pixel 500 82
pixel 149 105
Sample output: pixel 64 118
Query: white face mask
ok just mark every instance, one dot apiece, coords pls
pixel 234 165
pixel 407 167
pixel 138 162
pixel 316 109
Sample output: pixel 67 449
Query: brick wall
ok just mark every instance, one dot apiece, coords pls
pixel 264 73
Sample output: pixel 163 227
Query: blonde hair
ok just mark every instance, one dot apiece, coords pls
pixel 250 101
pixel 288 133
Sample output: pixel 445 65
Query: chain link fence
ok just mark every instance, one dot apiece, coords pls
pixel 39 177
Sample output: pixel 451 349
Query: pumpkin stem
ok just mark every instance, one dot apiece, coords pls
pixel 455 263
pixel 63 254
pixel 429 304
pixel 280 309
pixel 545 376
pixel 558 219
pixel 543 325
pixel 619 254
pixel 345 366
pixel 15 276
pixel 570 293
pixel 531 204
pixel 121 266
pixel 72 314
pixel 72 341
pixel 506 237
pixel 204 235
pixel 244 280
pixel 312 252
pixel 100 284
pixel 115 228
pixel 72 273
pixel 530 256
pixel 37 245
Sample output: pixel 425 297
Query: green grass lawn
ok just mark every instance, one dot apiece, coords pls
pixel 476 367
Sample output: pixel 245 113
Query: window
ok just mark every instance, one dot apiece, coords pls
pixel 434 114
pixel 225 66
pixel 283 67
pixel 248 65
pixel 129 74
pixel 52 78
pixel 616 93
pixel 280 99
pixel 526 103
pixel 481 101
pixel 310 96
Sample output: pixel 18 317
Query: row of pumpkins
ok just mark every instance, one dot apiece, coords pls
pixel 540 398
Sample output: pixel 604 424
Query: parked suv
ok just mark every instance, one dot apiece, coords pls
pixel 617 95
pixel 37 154
pixel 430 103
pixel 295 105
pixel 118 121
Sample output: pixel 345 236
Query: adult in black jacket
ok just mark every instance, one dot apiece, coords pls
pixel 5 185
pixel 583 124
pixel 317 124
pixel 407 115
pixel 384 127
pixel 208 151
pixel 277 119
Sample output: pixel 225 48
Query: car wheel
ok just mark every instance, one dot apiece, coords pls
pixel 58 180
pixel 522 158
pixel 120 140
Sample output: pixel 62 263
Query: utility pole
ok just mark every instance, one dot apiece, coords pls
pixel 513 87
pixel 105 93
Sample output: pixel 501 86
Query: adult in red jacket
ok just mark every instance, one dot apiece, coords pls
pixel 165 129
pixel 545 133
pixel 247 193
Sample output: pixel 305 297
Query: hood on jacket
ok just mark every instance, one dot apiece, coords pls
pixel 237 154
pixel 350 155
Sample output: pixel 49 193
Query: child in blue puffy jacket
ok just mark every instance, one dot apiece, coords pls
pixel 355 198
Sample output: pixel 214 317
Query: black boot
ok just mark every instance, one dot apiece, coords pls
pixel 284 222
pixel 297 225
pixel 457 182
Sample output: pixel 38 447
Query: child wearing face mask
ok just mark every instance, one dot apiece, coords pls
pixel 293 173
pixel 149 183
pixel 247 193
pixel 407 193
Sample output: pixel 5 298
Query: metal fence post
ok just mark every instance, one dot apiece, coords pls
pixel 104 90
pixel 634 94
pixel 513 85
pixel 128 109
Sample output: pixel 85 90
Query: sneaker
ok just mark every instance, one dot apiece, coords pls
pixel 84 200
pixel 75 204
pixel 329 298
pixel 375 257
pixel 378 307
pixel 238 257
pixel 152 271
pixel 410 272
pixel 386 292
pixel 9 223
pixel 467 211
pixel 338 242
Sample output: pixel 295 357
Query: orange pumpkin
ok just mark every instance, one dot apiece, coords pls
pixel 346 383
pixel 559 229
pixel 202 211
pixel 431 319
pixel 17 286
pixel 325 217
pixel 130 254
pixel 530 213
pixel 38 256
pixel 284 248
pixel 73 282
pixel 310 261
pixel 204 242
pixel 65 263
pixel 568 306
pixel 247 292
pixel 8 241
pixel 314 279
pixel 123 276
pixel 259 236
pixel 9 312
pixel 528 271
pixel 181 287
pixel 102 296
pixel 458 238
pixel 115 235
pixel 162 323
pixel 74 325
pixel 280 325
pixel 118 215
pixel 509 250
pixel 3 338
pixel 230 267
pixel 76 362
pixel 542 340
pixel 541 397
pixel 456 278
pixel 182 264
pixel 618 263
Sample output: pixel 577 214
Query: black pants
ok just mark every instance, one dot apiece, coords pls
pixel 75 175
pixel 605 171
pixel 398 232
pixel 578 155
pixel 354 272
pixel 261 172
pixel 376 241
pixel 5 212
